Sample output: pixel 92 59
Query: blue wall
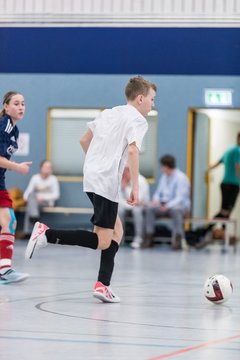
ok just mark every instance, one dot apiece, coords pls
pixel 175 95
pixel 87 67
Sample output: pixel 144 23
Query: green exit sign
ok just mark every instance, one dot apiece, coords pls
pixel 215 97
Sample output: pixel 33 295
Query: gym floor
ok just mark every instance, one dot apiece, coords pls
pixel 162 314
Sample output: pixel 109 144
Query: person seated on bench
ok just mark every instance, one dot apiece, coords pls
pixel 137 210
pixel 42 190
pixel 171 199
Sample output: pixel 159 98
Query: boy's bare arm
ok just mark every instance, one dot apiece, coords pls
pixel 86 139
pixel 133 163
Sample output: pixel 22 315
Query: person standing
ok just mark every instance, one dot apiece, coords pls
pixel 111 140
pixel 229 190
pixel 171 199
pixel 231 179
pixel 42 190
pixel 13 111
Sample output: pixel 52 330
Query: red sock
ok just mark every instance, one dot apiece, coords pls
pixel 6 252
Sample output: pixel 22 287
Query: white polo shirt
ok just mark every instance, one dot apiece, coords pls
pixel 113 131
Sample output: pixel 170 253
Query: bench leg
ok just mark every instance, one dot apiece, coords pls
pixel 226 239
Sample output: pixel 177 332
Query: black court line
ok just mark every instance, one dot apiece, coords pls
pixel 40 307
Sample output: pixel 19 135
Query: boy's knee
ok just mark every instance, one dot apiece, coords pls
pixel 118 233
pixel 104 243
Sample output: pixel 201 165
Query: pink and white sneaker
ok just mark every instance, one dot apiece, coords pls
pixel 37 240
pixel 105 293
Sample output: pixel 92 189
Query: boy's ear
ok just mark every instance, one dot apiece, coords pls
pixel 140 99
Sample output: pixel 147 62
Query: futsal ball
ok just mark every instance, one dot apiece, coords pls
pixel 218 289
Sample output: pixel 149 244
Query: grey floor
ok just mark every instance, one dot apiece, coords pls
pixel 163 313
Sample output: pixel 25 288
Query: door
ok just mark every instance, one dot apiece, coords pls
pixel 211 132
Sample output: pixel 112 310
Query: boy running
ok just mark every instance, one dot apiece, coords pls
pixel 111 140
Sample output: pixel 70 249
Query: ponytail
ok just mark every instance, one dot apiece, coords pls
pixel 6 99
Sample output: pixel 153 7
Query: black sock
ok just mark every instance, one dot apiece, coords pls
pixel 107 263
pixel 34 219
pixel 73 237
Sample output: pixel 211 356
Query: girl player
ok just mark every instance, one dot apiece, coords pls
pixel 12 111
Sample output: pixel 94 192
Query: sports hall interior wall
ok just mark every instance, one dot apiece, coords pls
pixel 80 67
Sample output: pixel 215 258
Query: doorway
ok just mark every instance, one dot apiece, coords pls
pixel 210 133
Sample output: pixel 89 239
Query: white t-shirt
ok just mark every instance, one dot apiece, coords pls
pixel 48 188
pixel 113 131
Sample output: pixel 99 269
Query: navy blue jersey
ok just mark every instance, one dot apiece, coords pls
pixel 8 143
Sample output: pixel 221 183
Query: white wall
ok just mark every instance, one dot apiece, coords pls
pixel 121 12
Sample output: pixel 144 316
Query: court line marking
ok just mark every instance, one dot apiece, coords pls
pixel 40 306
pixel 45 332
pixel 87 341
pixel 197 347
pixel 81 341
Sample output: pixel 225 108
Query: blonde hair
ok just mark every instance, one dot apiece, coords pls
pixel 138 86
pixel 6 100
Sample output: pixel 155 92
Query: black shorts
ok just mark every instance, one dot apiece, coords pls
pixel 229 196
pixel 105 211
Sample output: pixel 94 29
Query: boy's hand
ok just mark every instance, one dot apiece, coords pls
pixel 133 199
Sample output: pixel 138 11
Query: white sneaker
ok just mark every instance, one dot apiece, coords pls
pixel 135 245
pixel 37 239
pixel 12 276
pixel 105 293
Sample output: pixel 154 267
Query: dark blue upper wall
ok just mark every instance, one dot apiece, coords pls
pixel 186 51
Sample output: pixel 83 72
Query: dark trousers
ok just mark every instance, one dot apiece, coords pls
pixel 229 196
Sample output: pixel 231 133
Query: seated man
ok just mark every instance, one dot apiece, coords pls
pixel 42 190
pixel 171 199
pixel 137 210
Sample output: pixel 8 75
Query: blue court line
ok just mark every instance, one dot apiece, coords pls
pixel 104 342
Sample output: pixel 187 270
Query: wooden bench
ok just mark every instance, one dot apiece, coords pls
pixel 66 210
pixel 229 223
pixel 62 210
pixel 187 221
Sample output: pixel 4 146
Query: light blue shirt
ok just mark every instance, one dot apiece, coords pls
pixel 174 190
